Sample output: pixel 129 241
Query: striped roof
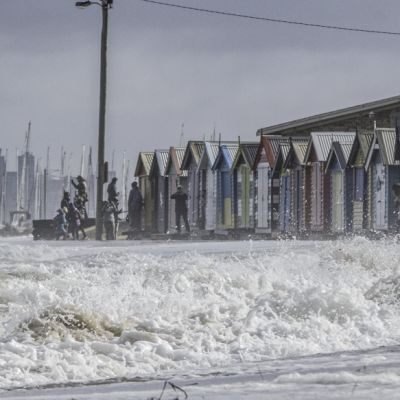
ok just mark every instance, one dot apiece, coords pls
pixel 388 145
pixel 160 160
pixel 270 144
pixel 228 153
pixel 194 149
pixel 210 153
pixel 281 158
pixel 175 157
pixel 322 142
pixel 300 150
pixel 342 153
pixel 362 141
pixel 248 152
pixel 310 123
pixel 145 159
pixel 387 142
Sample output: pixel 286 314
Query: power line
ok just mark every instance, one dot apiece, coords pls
pixel 265 19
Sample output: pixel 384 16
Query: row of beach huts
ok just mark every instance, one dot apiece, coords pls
pixel 332 173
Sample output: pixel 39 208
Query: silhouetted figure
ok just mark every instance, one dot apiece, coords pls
pixel 61 224
pixel 135 204
pixel 109 212
pixel 181 209
pixel 112 191
pixel 65 200
pixel 81 188
pixel 74 221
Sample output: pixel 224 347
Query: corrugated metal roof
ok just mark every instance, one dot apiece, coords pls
pixel 387 144
pixel 365 139
pixel 284 149
pixel 232 150
pixel 145 159
pixel 300 150
pixel 193 149
pixel 276 142
pixel 322 141
pixel 247 150
pixel 161 156
pixel 250 152
pixel 175 156
pixel 346 149
pixel 180 152
pixel 210 153
pixel 328 117
pixel 342 152
pixel 228 152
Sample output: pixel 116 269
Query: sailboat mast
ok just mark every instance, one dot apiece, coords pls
pixel 82 160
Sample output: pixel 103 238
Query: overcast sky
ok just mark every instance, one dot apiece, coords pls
pixel 168 67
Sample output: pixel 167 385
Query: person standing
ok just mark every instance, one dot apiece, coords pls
pixel 61 224
pixel 112 191
pixel 109 211
pixel 181 209
pixel 81 188
pixel 135 204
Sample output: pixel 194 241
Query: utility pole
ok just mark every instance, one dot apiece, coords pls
pixel 105 5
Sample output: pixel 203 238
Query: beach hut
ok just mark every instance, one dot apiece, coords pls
pixel 243 180
pixel 289 169
pixel 190 164
pixel 175 177
pixel 142 173
pixel 283 174
pixel 266 198
pixel 225 218
pixel 383 166
pixel 208 185
pixel 357 159
pixel 316 182
pixel 294 165
pixel 340 178
pixel 159 186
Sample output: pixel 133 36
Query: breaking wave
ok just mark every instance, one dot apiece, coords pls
pixel 77 313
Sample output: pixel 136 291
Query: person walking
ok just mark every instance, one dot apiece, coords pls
pixel 181 209
pixel 135 204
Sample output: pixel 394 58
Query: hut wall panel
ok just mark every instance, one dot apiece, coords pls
pixel 238 198
pixel 251 199
pixel 307 204
pixel 211 201
pixel 172 185
pixel 379 196
pixel 262 197
pixel 369 208
pixel 393 177
pixel 285 202
pixel 337 201
pixel 348 198
pixel 293 201
pixel 358 213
